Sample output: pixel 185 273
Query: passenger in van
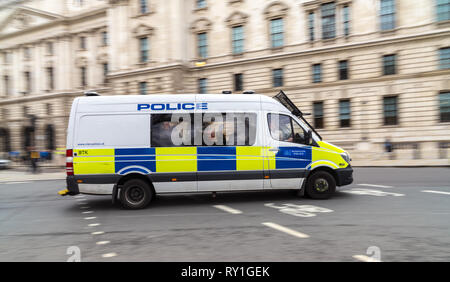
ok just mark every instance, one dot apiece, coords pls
pixel 162 134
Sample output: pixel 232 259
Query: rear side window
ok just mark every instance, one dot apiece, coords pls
pixel 113 131
pixel 203 129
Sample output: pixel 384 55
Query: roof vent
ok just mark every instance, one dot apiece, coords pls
pixel 226 92
pixel 91 93
pixel 249 92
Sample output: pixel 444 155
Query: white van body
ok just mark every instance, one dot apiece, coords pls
pixel 110 138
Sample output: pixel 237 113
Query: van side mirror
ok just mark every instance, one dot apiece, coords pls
pixel 308 137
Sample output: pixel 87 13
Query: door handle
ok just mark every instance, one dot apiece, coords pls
pixel 274 150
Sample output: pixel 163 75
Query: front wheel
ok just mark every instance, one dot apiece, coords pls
pixel 320 185
pixel 136 194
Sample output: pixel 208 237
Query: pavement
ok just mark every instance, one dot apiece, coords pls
pixel 387 214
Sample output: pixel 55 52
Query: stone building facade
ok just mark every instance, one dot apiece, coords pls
pixel 366 70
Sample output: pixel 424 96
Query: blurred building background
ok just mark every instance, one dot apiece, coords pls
pixel 366 70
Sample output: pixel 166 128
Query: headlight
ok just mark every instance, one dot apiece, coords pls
pixel 346 157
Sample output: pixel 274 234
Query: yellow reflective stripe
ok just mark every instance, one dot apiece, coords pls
pixel 270 158
pixel 249 158
pixel 325 157
pixel 176 159
pixel 94 161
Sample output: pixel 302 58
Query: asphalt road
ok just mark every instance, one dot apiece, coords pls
pixel 388 214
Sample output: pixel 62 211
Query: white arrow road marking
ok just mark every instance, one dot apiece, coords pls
pixel 374 185
pixel 227 209
pixel 436 192
pixel 285 230
pixel 299 210
pixel 365 258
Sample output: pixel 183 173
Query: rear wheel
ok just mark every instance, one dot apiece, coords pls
pixel 136 194
pixel 320 185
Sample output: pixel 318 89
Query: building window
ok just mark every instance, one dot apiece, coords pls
pixel 200 4
pixel 50 79
pixel 317 73
pixel 143 88
pixel 343 70
pixel 7 85
pixel 49 48
pixel 238 39
pixel 238 82
pixel 83 44
pixel 202 45
pixel 143 7
pixel 328 12
pixel 143 49
pixel 444 106
pixel 276 33
pixel 83 76
pixel 277 77
pixel 344 113
pixel 27 76
pixel 443 10
pixel 27 53
pixel 346 20
pixel 7 58
pixel 390 110
pixel 311 26
pixel 105 72
pixel 104 38
pixel 203 86
pixel 389 64
pixel 444 58
pixel 318 114
pixel 387 14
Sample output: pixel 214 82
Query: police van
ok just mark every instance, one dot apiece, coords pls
pixel 134 147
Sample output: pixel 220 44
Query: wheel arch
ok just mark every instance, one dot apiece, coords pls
pixel 326 169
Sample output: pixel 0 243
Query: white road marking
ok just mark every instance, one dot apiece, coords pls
pixel 18 182
pixel 227 209
pixel 436 192
pixel 365 258
pixel 299 210
pixel 109 255
pixel 375 185
pixel 87 212
pixel 97 233
pixel 371 192
pixel 89 218
pixel 285 230
pixel 94 224
pixel 102 242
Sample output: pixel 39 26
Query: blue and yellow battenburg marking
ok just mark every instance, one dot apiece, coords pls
pixel 189 159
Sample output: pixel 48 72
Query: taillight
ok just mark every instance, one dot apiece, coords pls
pixel 69 162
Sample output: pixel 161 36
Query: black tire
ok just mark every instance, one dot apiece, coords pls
pixel 320 185
pixel 136 194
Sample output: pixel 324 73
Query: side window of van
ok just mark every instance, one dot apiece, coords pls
pixel 169 130
pixel 284 128
pixel 211 129
pixel 229 129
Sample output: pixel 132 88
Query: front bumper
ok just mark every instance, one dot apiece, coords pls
pixel 344 176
